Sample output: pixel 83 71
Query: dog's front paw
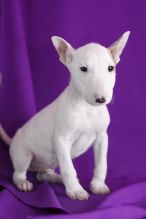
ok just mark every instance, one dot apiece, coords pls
pixel 78 193
pixel 24 185
pixel 99 187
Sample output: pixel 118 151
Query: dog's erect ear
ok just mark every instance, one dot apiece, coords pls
pixel 117 47
pixel 63 49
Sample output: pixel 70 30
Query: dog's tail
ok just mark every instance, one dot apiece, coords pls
pixel 4 136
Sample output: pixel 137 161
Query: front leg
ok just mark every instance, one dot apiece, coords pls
pixel 69 176
pixel 98 185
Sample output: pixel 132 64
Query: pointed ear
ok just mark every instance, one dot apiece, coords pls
pixel 63 49
pixel 117 47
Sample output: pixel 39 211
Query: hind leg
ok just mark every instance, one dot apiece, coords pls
pixel 21 158
pixel 50 176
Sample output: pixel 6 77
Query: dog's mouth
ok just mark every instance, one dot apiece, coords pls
pixel 103 101
pixel 100 100
pixel 94 103
pixel 100 104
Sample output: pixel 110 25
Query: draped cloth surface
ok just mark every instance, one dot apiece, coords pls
pixel 33 77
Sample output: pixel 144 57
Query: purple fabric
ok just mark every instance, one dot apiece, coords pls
pixel 33 77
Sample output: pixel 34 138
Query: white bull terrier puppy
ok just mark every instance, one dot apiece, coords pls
pixel 67 127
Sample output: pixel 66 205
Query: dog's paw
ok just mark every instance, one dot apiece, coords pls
pixel 24 185
pixel 98 187
pixel 78 193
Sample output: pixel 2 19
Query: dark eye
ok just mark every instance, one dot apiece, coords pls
pixel 84 68
pixel 110 68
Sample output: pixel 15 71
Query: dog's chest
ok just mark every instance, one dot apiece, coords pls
pixel 88 129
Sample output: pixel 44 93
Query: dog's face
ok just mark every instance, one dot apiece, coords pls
pixel 92 67
pixel 93 73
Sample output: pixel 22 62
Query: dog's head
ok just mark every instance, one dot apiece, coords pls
pixel 92 67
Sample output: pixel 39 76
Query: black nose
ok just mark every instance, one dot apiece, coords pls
pixel 100 100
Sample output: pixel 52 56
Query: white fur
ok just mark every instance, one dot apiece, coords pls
pixel 68 126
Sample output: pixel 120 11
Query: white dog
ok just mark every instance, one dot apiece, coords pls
pixel 68 126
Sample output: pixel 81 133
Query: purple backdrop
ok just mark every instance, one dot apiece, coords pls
pixel 33 77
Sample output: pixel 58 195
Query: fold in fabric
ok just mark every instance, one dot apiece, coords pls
pixel 131 198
